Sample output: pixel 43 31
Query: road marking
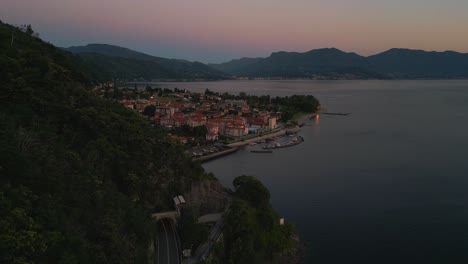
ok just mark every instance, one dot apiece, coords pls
pixel 159 256
pixel 167 243
pixel 175 241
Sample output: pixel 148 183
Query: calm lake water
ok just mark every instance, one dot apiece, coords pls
pixel 387 184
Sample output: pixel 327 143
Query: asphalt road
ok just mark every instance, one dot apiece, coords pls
pixel 168 247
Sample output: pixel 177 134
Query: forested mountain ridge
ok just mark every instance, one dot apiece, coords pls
pixel 332 63
pixel 79 175
pixel 327 63
pixel 104 62
pixel 406 63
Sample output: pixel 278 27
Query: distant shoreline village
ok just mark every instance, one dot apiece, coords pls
pixel 213 124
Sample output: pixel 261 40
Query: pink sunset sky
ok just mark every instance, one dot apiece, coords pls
pixel 218 30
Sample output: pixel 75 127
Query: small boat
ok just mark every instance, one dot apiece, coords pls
pixel 252 144
pixel 261 151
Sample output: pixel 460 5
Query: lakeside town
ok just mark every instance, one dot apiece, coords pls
pixel 210 123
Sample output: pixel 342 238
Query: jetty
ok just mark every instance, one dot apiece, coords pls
pixel 338 114
pixel 296 141
pixel 261 151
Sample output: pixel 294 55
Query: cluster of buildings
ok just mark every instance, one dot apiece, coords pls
pixel 233 118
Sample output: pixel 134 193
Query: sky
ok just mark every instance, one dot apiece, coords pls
pixel 221 30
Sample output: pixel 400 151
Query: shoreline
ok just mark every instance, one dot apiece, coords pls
pixel 234 147
pixel 217 154
pixel 303 117
pixel 263 137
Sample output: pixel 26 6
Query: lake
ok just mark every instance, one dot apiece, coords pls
pixel 386 184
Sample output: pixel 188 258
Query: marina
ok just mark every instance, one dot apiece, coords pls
pixel 295 140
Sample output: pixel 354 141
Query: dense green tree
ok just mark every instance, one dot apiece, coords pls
pixel 196 98
pixel 79 175
pixel 251 190
pixel 209 92
pixel 252 233
pixel 149 110
pixel 191 233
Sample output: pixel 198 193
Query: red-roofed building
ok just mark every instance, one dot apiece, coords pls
pixel 162 110
pixel 179 119
pixel 272 123
pixel 140 105
pixel 212 136
pixel 218 122
pixel 236 130
pixel 197 120
pixel 163 104
pixel 166 121
pixel 213 132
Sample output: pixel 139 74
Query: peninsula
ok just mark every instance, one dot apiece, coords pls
pixel 211 124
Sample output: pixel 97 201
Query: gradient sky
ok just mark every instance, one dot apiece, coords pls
pixel 220 30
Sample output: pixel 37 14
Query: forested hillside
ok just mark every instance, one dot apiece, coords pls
pixel 106 62
pixel 79 175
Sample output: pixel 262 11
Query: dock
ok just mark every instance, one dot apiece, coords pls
pixel 288 144
pixel 338 114
pixel 261 151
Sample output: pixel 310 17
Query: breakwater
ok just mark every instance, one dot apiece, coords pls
pixel 217 154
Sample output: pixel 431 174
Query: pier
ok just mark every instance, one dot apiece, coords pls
pixel 339 114
pixel 285 145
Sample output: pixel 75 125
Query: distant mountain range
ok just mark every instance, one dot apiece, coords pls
pixel 104 62
pixel 331 63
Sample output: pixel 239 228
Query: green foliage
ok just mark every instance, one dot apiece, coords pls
pixel 251 190
pixel 291 105
pixel 191 233
pixel 252 233
pixel 149 110
pixel 79 175
pixel 196 98
pixel 106 62
pixel 288 105
pixel 21 240
pixel 199 132
pixel 209 92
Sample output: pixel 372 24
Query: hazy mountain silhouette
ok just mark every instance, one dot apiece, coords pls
pixel 334 63
pixel 109 61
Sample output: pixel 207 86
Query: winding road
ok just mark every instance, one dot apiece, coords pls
pixel 168 245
